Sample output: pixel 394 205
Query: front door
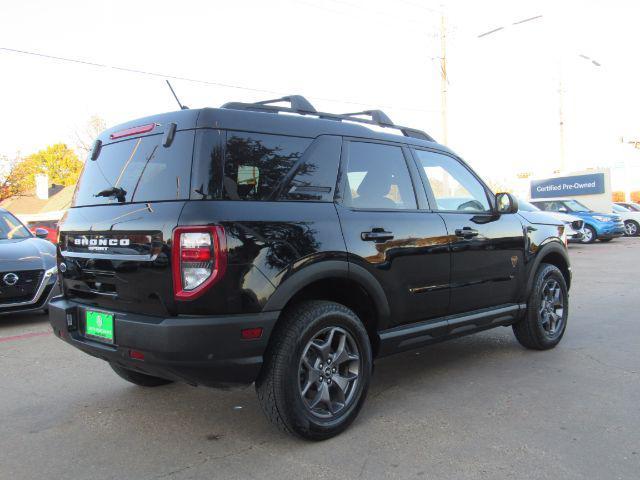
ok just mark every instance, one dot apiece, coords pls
pixel 487 249
pixel 389 232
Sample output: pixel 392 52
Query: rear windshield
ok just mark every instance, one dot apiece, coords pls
pixel 138 170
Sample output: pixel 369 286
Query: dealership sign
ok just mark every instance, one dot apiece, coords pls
pixel 568 186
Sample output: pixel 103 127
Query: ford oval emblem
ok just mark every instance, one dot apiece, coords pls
pixel 10 279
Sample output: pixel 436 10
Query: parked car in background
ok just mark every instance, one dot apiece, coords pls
pixel 634 207
pixel 573 226
pixel 28 267
pixel 630 218
pixel 597 226
pixel 51 226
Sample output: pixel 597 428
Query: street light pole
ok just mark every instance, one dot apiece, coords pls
pixel 443 79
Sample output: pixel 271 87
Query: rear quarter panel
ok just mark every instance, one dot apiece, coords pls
pixel 267 242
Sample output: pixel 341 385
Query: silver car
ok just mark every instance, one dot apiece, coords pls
pixel 28 267
pixel 573 226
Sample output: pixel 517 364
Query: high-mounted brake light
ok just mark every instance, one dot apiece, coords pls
pixel 132 131
pixel 199 259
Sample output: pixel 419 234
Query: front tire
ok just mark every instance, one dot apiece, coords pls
pixel 590 234
pixel 140 379
pixel 631 228
pixel 545 320
pixel 317 370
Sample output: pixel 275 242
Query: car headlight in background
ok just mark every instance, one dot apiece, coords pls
pixel 600 218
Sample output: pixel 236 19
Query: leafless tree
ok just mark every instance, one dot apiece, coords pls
pixel 87 135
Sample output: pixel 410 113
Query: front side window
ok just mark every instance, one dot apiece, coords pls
pixel 378 178
pixel 453 186
pixel 11 228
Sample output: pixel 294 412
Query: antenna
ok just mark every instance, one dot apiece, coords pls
pixel 182 107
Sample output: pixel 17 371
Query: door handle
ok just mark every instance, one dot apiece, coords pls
pixel 376 235
pixel 466 232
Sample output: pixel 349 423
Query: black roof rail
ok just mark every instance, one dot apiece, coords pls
pixel 297 103
pixel 377 116
pixel 302 106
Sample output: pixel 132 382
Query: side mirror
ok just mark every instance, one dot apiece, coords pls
pixel 563 209
pixel 506 203
pixel 41 233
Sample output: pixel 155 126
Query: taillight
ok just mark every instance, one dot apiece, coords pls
pixel 199 259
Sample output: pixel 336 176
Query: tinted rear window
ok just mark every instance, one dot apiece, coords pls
pixel 264 167
pixel 138 170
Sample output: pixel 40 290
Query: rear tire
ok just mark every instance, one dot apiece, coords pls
pixel 545 321
pixel 590 234
pixel 140 379
pixel 316 370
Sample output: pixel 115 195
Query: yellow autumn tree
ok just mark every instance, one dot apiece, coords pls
pixel 58 161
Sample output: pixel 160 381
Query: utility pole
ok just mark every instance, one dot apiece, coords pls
pixel 443 78
pixel 561 122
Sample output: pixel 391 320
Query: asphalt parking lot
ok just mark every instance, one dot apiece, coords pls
pixel 475 408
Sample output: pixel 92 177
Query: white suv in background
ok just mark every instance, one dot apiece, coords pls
pixel 630 218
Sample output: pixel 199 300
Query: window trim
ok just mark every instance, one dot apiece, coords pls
pixel 429 191
pixel 341 184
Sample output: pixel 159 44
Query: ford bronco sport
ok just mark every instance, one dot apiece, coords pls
pixel 289 247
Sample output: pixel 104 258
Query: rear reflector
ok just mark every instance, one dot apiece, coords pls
pixel 132 131
pixel 136 354
pixel 251 333
pixel 200 254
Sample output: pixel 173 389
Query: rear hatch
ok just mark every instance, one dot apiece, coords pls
pixel 115 240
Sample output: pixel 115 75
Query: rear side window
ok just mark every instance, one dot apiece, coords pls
pixel 138 170
pixel 264 167
pixel 256 165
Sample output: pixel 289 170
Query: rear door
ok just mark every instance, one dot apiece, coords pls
pixel 115 239
pixel 487 249
pixel 389 230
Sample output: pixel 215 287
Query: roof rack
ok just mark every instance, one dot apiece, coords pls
pixel 302 106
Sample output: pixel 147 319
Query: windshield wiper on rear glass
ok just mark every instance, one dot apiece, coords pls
pixel 117 192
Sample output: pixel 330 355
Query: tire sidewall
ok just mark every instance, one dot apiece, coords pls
pixel 300 417
pixel 547 271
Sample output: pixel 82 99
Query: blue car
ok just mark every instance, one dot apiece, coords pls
pixel 597 226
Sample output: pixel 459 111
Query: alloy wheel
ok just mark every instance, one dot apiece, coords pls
pixel 551 312
pixel 631 229
pixel 588 235
pixel 329 372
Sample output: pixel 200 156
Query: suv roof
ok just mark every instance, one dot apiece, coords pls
pixel 264 118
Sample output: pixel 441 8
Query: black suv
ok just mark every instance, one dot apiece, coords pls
pixel 290 247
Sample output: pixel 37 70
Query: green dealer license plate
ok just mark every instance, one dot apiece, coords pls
pixel 99 326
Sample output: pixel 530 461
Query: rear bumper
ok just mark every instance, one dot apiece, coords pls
pixel 197 350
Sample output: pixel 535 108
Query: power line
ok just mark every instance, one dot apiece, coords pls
pixel 193 80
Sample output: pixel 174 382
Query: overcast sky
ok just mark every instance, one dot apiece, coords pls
pixel 502 93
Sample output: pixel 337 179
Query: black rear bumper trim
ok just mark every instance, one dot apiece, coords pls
pixel 196 350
